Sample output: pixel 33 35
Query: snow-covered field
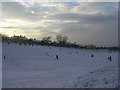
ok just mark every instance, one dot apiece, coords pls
pixel 30 67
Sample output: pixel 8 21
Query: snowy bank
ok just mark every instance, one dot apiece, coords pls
pixel 30 67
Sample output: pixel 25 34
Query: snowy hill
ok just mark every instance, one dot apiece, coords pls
pixel 36 67
pixel 103 77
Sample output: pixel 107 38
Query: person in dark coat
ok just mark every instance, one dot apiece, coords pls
pixel 92 55
pixel 57 57
pixel 110 58
pixel 4 57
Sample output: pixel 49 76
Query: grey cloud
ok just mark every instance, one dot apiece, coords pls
pixel 85 18
pixel 22 28
pixel 9 27
pixel 91 29
pixel 14 10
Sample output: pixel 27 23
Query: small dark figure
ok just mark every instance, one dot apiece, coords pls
pixel 4 57
pixel 70 53
pixel 106 82
pixel 110 58
pixel 8 43
pixel 56 56
pixel 92 55
pixel 76 51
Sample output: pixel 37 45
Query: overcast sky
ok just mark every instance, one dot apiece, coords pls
pixel 84 22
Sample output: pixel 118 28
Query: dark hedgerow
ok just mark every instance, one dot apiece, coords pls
pixel 22 40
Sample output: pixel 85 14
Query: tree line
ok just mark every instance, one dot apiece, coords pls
pixel 61 40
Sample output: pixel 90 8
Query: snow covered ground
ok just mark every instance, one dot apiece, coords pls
pixel 30 67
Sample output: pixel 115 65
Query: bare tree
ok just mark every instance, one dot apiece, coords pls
pixel 61 39
pixel 46 39
pixel 65 38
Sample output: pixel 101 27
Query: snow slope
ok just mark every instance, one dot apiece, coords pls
pixel 30 67
pixel 102 77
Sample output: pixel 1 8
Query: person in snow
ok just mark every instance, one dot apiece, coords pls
pixel 110 58
pixel 92 55
pixel 4 57
pixel 57 57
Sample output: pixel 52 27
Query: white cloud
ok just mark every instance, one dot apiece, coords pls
pixel 32 12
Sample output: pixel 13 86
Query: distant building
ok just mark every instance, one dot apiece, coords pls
pixel 19 37
pixel 49 42
pixel 35 40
